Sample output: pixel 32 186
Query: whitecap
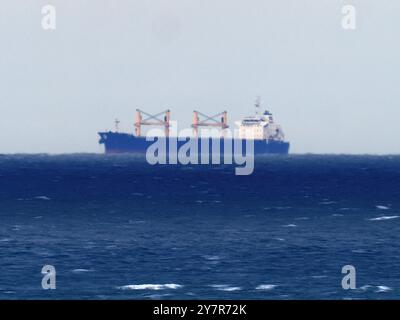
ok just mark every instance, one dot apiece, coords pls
pixel 150 286
pixel 382 207
pixel 81 270
pixel 348 209
pixel 225 287
pixel 158 296
pixel 379 289
pixel 383 289
pixel 266 286
pixel 138 194
pixel 327 202
pixel 42 198
pixel 229 289
pixel 291 225
pixel 358 251
pixel 384 218
pixel 211 258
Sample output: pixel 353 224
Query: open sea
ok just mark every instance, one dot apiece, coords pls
pixel 115 227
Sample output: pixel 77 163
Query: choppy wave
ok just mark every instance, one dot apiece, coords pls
pixel 42 198
pixel 125 224
pixel 383 289
pixel 158 296
pixel 150 286
pixel 384 218
pixel 82 270
pixel 327 202
pixel 319 277
pixel 266 287
pixel 212 257
pixel 225 287
pixel 382 207
pixel 378 289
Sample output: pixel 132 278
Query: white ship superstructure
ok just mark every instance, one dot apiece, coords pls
pixel 260 127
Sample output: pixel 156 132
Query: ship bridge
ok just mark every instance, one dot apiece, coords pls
pixel 260 127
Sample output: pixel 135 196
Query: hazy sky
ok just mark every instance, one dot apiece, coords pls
pixel 332 90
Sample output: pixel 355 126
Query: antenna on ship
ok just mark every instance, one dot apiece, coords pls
pixel 116 122
pixel 257 105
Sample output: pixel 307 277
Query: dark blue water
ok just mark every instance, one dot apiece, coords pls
pixel 116 227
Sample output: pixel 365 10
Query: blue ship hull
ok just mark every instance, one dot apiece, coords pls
pixel 115 142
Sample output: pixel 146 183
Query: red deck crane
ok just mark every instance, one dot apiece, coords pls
pixel 156 121
pixel 219 120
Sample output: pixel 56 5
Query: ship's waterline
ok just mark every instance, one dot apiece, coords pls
pixel 116 142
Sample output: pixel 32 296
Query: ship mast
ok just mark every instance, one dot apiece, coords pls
pixel 116 122
pixel 257 105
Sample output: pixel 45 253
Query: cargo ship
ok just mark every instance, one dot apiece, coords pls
pixel 260 128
